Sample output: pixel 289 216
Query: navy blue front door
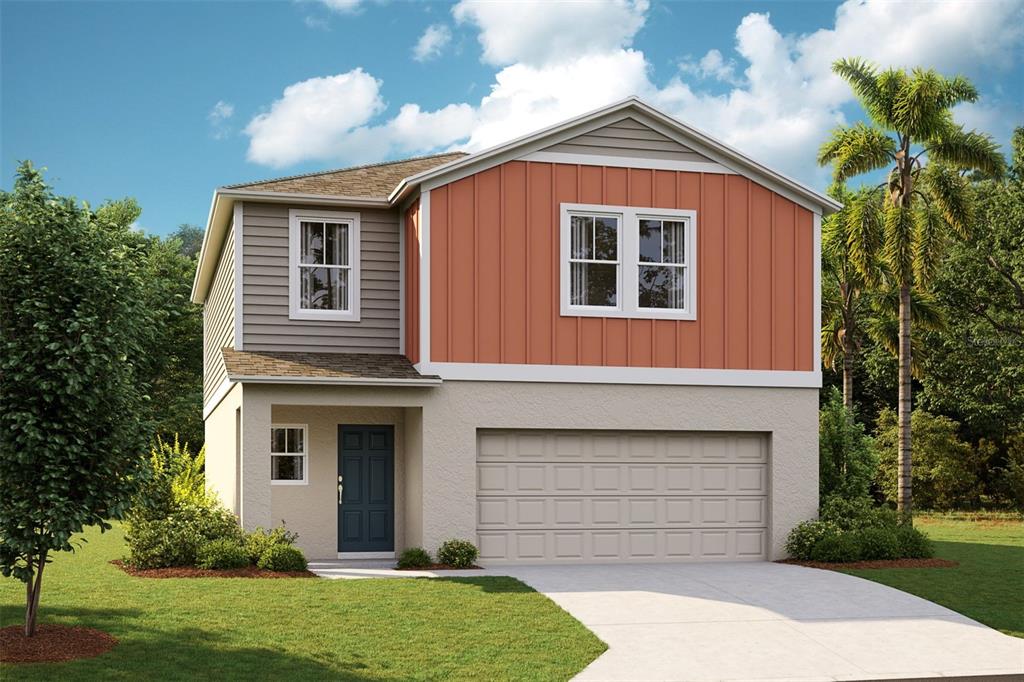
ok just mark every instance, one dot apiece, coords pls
pixel 366 486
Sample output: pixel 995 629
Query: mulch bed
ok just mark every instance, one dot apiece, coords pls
pixel 885 563
pixel 52 643
pixel 439 567
pixel 192 572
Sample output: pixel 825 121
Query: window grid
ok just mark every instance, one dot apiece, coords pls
pixel 288 454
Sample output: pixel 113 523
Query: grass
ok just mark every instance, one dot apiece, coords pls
pixel 987 586
pixel 302 629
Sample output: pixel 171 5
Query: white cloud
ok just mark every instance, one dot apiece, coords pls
pixel 537 32
pixel 781 100
pixel 218 118
pixel 319 118
pixel 342 6
pixel 711 65
pixel 432 42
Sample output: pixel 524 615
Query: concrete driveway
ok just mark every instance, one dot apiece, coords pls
pixel 761 621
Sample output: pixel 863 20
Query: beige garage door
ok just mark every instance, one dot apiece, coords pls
pixel 598 496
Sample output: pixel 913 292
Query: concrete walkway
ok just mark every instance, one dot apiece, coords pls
pixel 753 621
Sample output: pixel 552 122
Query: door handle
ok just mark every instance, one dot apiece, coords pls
pixel 341 489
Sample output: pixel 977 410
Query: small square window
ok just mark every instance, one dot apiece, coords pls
pixel 288 454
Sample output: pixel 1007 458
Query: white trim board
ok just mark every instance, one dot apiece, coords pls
pixel 424 325
pixel 218 397
pixel 627 162
pixel 335 381
pixel 238 275
pixel 671 376
pixel 352 219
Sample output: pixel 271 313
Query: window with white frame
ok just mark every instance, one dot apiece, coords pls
pixel 324 265
pixel 621 261
pixel 288 456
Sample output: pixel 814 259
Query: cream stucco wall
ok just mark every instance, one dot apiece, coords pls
pixel 222 455
pixel 442 461
pixel 311 510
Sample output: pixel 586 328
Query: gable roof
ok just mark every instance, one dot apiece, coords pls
pixel 372 181
pixel 388 184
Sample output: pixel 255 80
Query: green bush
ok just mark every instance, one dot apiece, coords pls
pixel 282 558
pixel 414 557
pixel 458 553
pixel 914 544
pixel 176 539
pixel 840 547
pixel 847 457
pixel 877 543
pixel 945 472
pixel 222 553
pixel 260 540
pixel 802 539
pixel 174 477
pixel 857 513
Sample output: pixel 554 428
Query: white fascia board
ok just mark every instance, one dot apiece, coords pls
pixel 213 238
pixel 218 396
pixel 465 371
pixel 306 198
pixel 335 381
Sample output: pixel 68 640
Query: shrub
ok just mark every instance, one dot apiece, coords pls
pixel 222 553
pixel 174 477
pixel 877 543
pixel 857 513
pixel 458 553
pixel 414 557
pixel 945 471
pixel 282 558
pixel 847 457
pixel 913 543
pixel 176 539
pixel 840 547
pixel 805 536
pixel 260 540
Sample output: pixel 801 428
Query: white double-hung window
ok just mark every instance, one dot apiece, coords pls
pixel 288 455
pixel 323 278
pixel 621 261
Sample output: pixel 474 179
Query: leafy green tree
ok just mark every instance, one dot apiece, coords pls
pixel 846 454
pixel 190 238
pixel 72 323
pixel 912 133
pixel 945 467
pixel 975 371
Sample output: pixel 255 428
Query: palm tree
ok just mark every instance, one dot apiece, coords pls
pixel 925 195
pixel 844 286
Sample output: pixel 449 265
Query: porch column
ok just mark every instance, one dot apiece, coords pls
pixel 255 503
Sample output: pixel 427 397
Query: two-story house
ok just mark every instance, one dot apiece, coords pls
pixel 595 343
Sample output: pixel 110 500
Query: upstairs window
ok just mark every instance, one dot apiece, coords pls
pixel 620 261
pixel 324 265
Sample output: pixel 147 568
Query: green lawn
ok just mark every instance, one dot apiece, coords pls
pixel 988 586
pixel 424 629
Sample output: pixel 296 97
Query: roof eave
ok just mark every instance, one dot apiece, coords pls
pixel 335 381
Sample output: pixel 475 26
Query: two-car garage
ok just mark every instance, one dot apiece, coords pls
pixel 601 496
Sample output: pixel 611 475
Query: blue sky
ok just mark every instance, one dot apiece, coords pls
pixel 165 101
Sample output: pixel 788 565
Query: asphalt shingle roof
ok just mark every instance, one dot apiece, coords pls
pixel 375 181
pixel 355 366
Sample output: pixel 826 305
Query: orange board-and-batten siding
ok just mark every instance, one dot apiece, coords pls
pixel 494 272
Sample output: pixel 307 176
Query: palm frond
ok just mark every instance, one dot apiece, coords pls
pixel 963 150
pixel 864 230
pixel 956 91
pixel 929 243
pixel 862 76
pixel 856 149
pixel 897 248
pixel 948 192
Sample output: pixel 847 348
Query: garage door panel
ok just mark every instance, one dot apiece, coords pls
pixel 580 496
pixel 500 445
pixel 553 513
pixel 549 478
pixel 622 545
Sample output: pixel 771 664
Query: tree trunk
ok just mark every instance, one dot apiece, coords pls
pixel 904 499
pixel 33 589
pixel 848 379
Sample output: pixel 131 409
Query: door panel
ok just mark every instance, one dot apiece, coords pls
pixel 366 514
